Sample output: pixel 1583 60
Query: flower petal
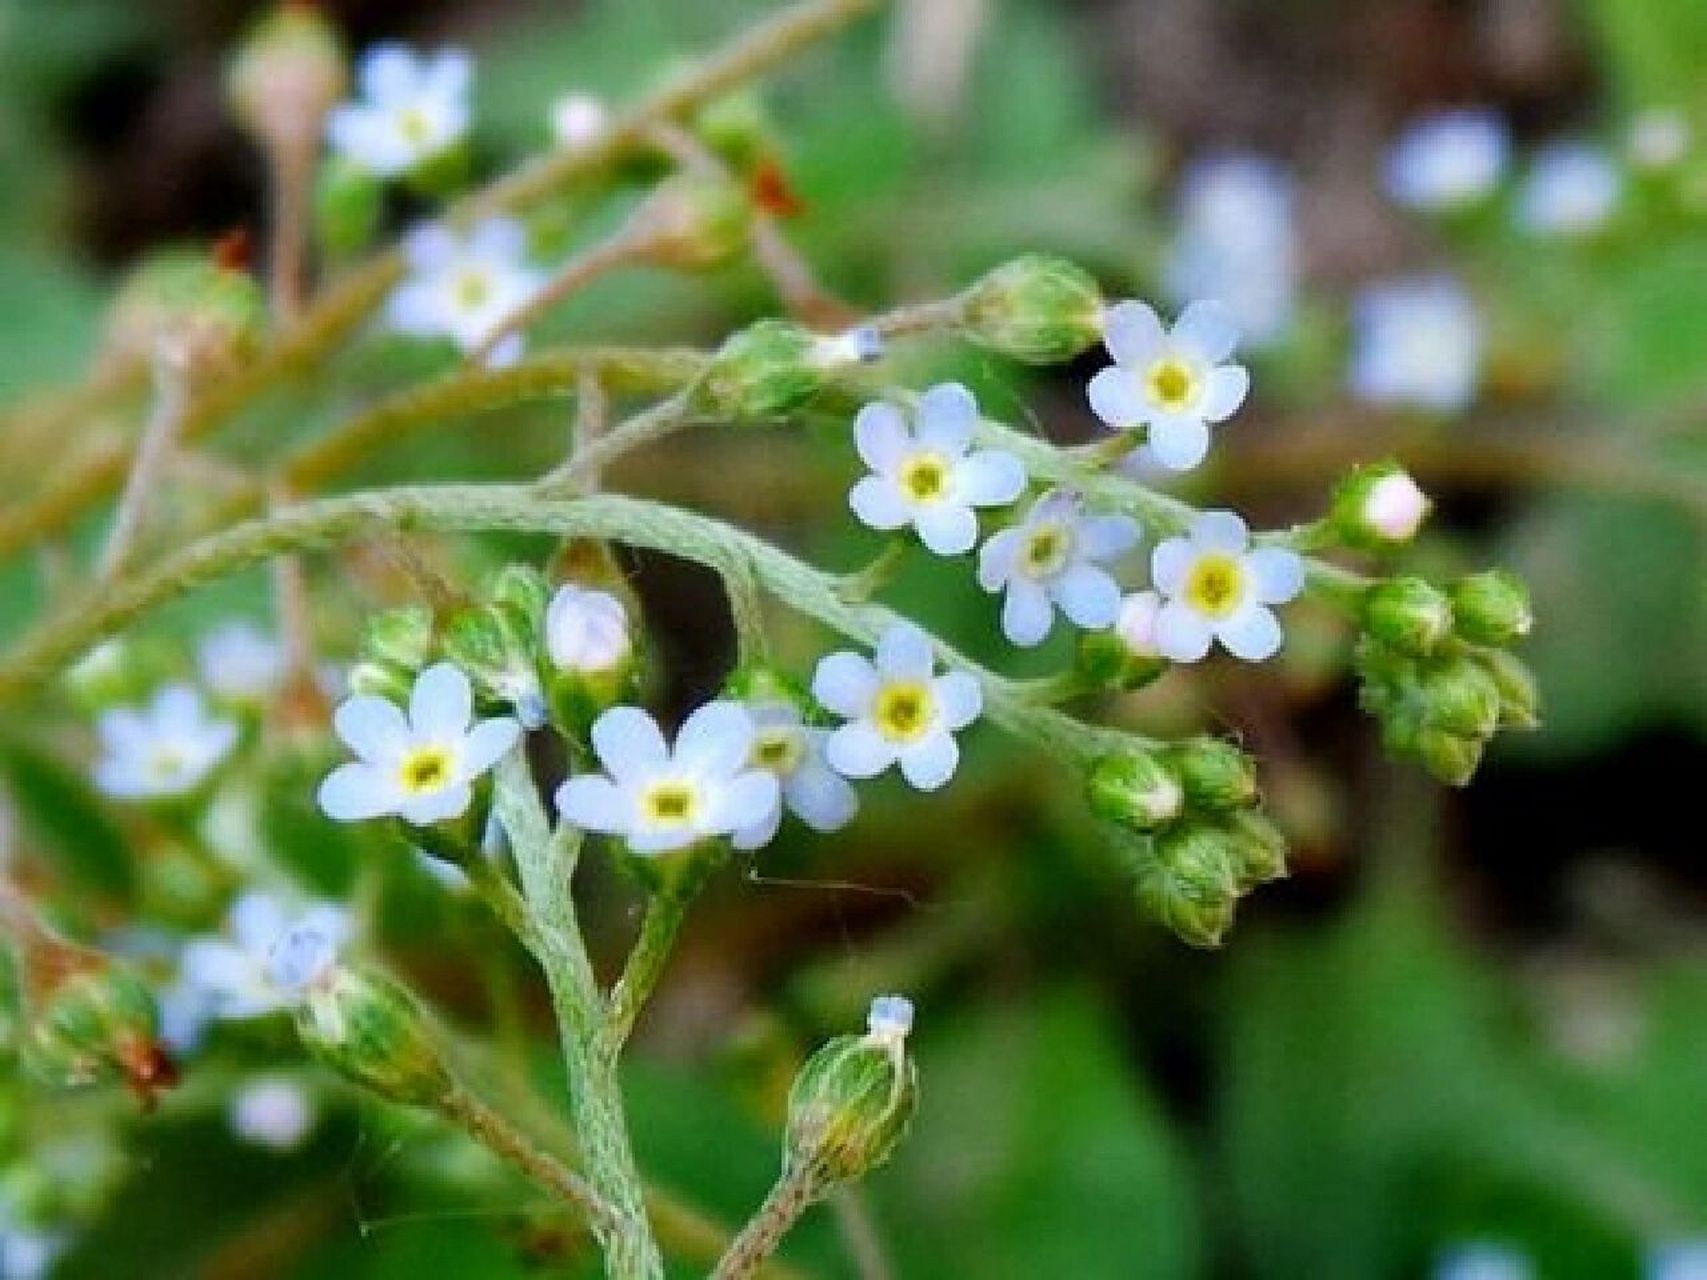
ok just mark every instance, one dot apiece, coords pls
pixel 388 73
pixel 256 920
pixel 1253 633
pixel 1220 531
pixel 930 763
pixel 820 797
pixel 1088 596
pixel 1132 332
pixel 715 740
pixel 947 415
pixel 989 478
pixel 1027 615
pixel 487 743
pixel 1182 634
pixel 904 653
pixel 747 799
pixel 996 559
pixel 442 703
pixel 1116 397
pixel 845 683
pixel 946 528
pixel 857 750
pixel 878 502
pixel 1206 330
pixel 1228 385
pixel 758 834
pixel 1179 443
pixel 1170 563
pixel 1278 574
pixel 427 807
pixel 629 744
pixel 881 436
pixel 595 803
pixel 356 792
pixel 959 698
pixel 1105 537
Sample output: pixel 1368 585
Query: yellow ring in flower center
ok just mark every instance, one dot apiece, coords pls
pixel 671 803
pixel 414 125
pixel 1172 385
pixel 425 769
pixel 1216 584
pixel 778 750
pixel 924 477
pixel 905 710
pixel 472 290
pixel 1046 549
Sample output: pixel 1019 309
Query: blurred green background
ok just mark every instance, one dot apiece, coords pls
pixel 1476 1016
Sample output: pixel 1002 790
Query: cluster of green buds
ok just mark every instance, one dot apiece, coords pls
pixel 853 1100
pixel 497 642
pixel 1035 309
pixel 1192 829
pixel 1437 671
pixel 202 313
pixel 367 1027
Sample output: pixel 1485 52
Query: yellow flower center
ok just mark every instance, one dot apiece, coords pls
pixel 166 763
pixel 778 750
pixel 414 125
pixel 1216 584
pixel 905 710
pixel 671 803
pixel 1046 549
pixel 425 769
pixel 472 290
pixel 924 477
pixel 1172 385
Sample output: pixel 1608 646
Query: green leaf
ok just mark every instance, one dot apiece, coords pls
pixel 59 810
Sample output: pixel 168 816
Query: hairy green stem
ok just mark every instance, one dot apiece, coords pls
pixel 646 960
pixel 796 1191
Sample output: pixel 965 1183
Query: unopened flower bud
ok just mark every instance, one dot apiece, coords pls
pixel 522 589
pixel 349 202
pixel 1460 697
pixel 852 1102
pixel 494 646
pixel 1191 883
pixel 401 637
pixel 98 1021
pixel 1408 614
pixel 1378 507
pixel 380 680
pixel 764 372
pixel 1259 848
pixel 373 1031
pixel 694 223
pixel 1136 789
pixel 189 311
pixel 288 73
pixel 591 659
pixel 1520 700
pixel 862 344
pixel 1492 607
pixel 1215 774
pixel 578 120
pixel 738 128
pixel 758 683
pixel 1125 656
pixel 1036 309
pixel 1450 757
pixel 118 672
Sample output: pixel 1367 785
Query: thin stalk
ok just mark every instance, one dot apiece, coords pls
pixel 159 436
pixel 796 1191
pixel 291 162
pixel 624 249
pixel 662 419
pixel 645 965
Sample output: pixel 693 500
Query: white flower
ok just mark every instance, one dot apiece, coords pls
pixel 1571 189
pixel 897 710
pixel 268 959
pixel 659 799
pixel 1448 160
pixel 421 767
pixel 785 745
pixel 889 1021
pixel 240 663
pixel 1173 382
pixel 923 474
pixel 1135 624
pixel 1658 138
pixel 272 1112
pixel 1216 587
pixel 1416 343
pixel 1237 242
pixel 1050 558
pixel 165 749
pixel 586 630
pixel 28 1254
pixel 578 119
pixel 412 108
pixel 1682 1259
pixel 1395 507
pixel 1482 1260
pixel 465 286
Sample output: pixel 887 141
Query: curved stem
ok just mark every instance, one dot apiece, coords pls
pixel 645 965
pixel 796 1191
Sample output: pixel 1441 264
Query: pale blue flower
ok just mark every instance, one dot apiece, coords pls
pixel 1172 382
pixel 241 663
pixel 898 711
pixel 165 749
pixel 1052 559
pixel 1482 1260
pixel 925 473
pixel 1448 160
pixel 1237 242
pixel 420 767
pixel 786 746
pixel 1216 587
pixel 1416 343
pixel 1677 1260
pixel 889 1021
pixel 27 1253
pixel 660 798
pixel 463 286
pixel 1571 189
pixel 412 109
pixel 586 630
pixel 269 956
pixel 274 1112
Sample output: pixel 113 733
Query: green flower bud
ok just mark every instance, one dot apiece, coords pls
pixel 190 310
pixel 1460 697
pixel 288 73
pixel 738 129
pixel 373 1031
pixel 1036 309
pixel 381 680
pixel 1492 607
pixel 853 1100
pixel 1104 660
pixel 400 637
pixel 766 371
pixel 524 590
pixel 1449 756
pixel 1520 700
pixel 1216 774
pixel 1408 614
pixel 96 1022
pixel 497 648
pixel 349 203
pixel 1136 789
pixel 119 672
pixel 759 682
pixel 694 223
pixel 1259 848
pixel 1377 507
pixel 1191 883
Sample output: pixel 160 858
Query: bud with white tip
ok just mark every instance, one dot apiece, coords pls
pixel 1378 508
pixel 853 1100
pixel 590 655
pixel 578 120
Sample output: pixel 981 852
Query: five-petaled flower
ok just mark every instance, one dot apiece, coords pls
pixel 661 799
pixel 165 749
pixel 1218 588
pixel 267 959
pixel 785 745
pixel 422 766
pixel 465 286
pixel 926 474
pixel 412 109
pixel 1172 382
pixel 898 711
pixel 1051 558
pixel 1416 343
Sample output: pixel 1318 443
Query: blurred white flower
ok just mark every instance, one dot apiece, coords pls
pixel 272 1112
pixel 240 663
pixel 1658 138
pixel 420 767
pixel 898 711
pixel 167 748
pixel 464 286
pixel 925 473
pixel 1677 1260
pixel 586 630
pixel 578 120
pixel 268 958
pixel 1448 160
pixel 27 1253
pixel 660 799
pixel 1571 189
pixel 1416 343
pixel 412 108
pixel 1217 588
pixel 1482 1260
pixel 1173 382
pixel 785 745
pixel 1053 559
pixel 1237 242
